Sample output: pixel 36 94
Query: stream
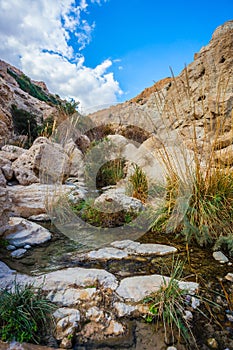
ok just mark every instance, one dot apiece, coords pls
pixel 61 252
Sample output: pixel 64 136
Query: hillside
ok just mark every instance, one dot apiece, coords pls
pixel 22 102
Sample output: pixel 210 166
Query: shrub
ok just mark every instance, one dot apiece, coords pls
pixel 102 216
pixel 139 185
pixel 25 124
pixel 48 127
pixel 36 91
pixel 25 314
pixel 110 173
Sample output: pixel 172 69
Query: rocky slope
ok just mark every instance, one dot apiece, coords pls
pixel 17 90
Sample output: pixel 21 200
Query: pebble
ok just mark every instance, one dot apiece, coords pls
pixel 229 277
pixel 212 343
pixel 18 253
pixel 219 256
pixel 27 246
pixel 10 247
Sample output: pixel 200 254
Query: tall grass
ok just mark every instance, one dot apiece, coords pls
pixel 25 314
pixel 169 305
pixel 198 199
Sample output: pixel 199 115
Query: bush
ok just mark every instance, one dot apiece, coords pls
pixel 139 184
pixel 25 124
pixel 110 173
pixel 36 91
pixel 25 314
pixel 104 216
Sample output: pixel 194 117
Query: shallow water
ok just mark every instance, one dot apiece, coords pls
pixel 199 266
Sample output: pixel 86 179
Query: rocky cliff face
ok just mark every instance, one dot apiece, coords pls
pixel 201 97
pixel 16 90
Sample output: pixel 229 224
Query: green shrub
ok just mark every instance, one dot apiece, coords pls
pixel 24 124
pixel 139 184
pixel 110 173
pixel 102 216
pixel 25 314
pixel 36 91
pixel 202 214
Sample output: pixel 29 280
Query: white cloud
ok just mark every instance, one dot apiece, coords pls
pixel 36 37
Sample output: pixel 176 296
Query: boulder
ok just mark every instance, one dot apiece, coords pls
pixel 35 199
pixel 120 199
pixel 78 277
pixel 22 232
pixel 76 159
pixel 44 162
pixel 13 151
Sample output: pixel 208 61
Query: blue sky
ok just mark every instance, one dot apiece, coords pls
pixel 105 51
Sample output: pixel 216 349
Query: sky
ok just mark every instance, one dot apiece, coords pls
pixel 102 52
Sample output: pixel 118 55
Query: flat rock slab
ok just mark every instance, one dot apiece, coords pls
pixel 72 296
pixel 22 232
pixel 107 253
pixel 138 287
pixel 78 277
pixel 122 249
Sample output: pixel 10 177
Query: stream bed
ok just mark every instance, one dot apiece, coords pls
pixel 199 266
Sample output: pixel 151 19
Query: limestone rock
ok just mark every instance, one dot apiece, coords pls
pixel 5 166
pixel 229 277
pixel 144 248
pixel 123 309
pixel 115 328
pixel 18 253
pixel 125 248
pixel 75 157
pixel 138 287
pixel 40 218
pixel 34 199
pixel 120 199
pixel 79 277
pixel 5 270
pixel 106 253
pixel 67 323
pixel 13 151
pixel 22 232
pixel 52 163
pixel 72 296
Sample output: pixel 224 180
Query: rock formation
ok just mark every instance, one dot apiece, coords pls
pixel 201 97
pixel 12 94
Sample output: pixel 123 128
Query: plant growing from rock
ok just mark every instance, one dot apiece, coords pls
pixel 169 306
pixel 25 313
